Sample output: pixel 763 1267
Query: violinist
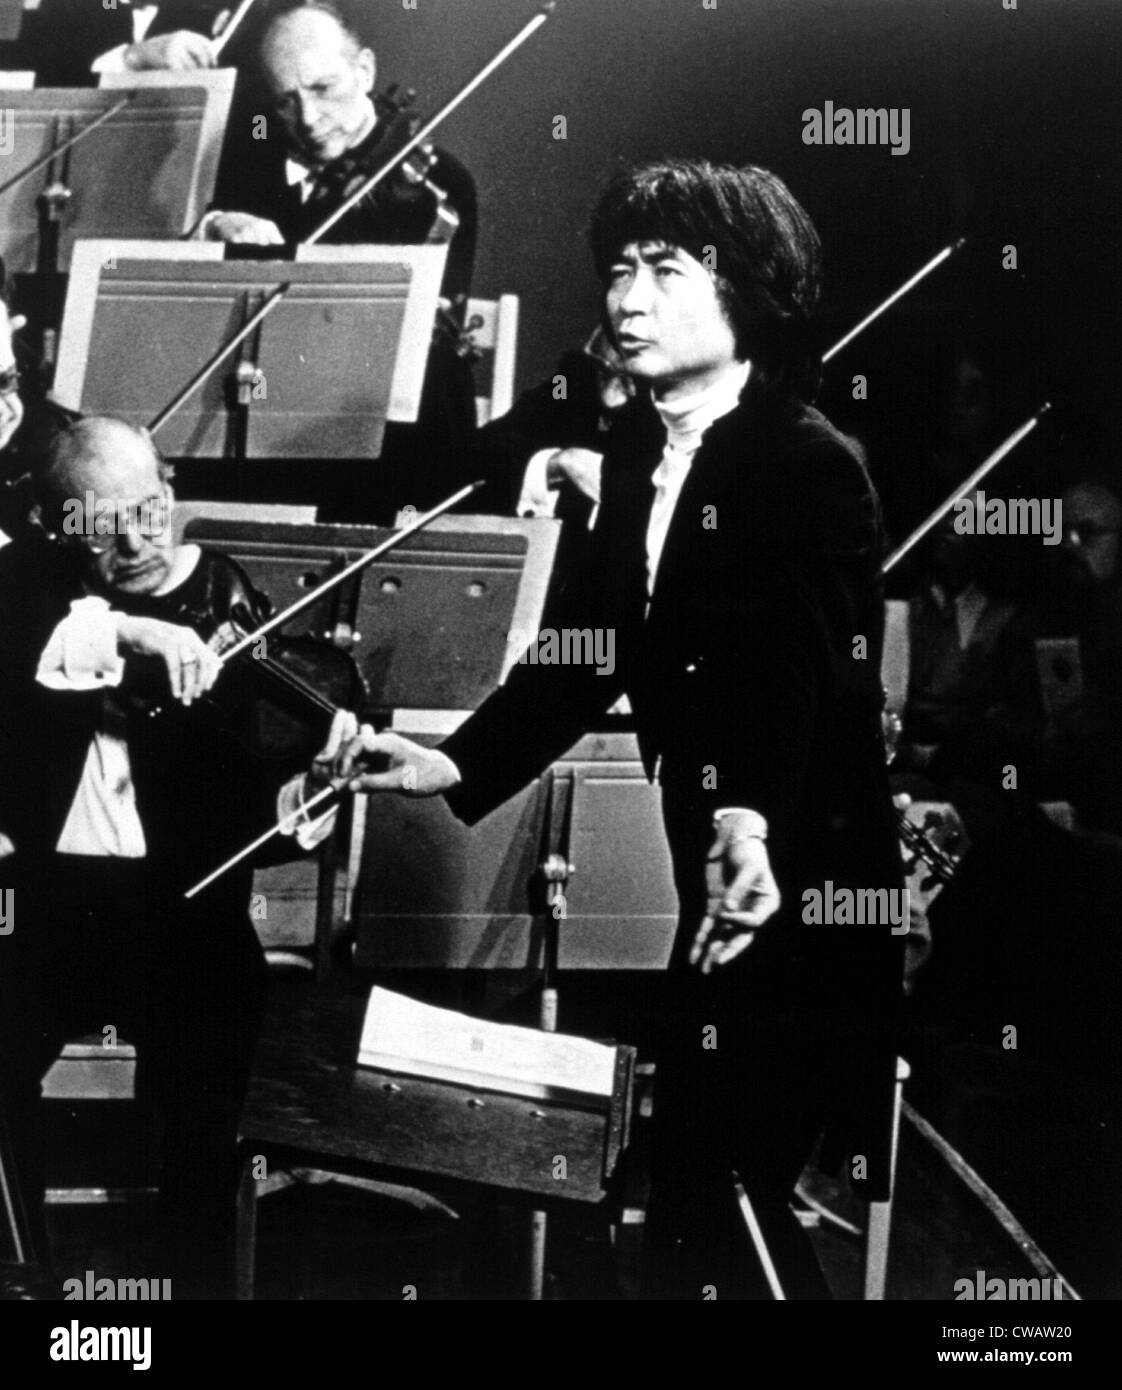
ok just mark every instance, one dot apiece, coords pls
pixel 324 138
pixel 110 813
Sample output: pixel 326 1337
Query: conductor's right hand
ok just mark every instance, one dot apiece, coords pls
pixel 403 766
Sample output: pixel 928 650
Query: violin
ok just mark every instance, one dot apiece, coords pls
pixel 410 178
pixel 935 844
pixel 276 696
pixel 279 702
pixel 287 682
pixel 365 187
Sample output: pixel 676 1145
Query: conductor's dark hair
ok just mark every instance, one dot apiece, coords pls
pixel 746 225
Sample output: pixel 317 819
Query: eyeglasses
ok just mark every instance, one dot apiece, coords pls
pixel 147 519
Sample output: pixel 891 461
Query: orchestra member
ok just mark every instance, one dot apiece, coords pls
pixel 110 814
pixel 329 137
pixel 324 138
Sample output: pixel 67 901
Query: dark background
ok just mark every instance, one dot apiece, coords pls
pixel 1014 121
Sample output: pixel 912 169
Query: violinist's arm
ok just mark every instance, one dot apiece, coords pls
pixel 181 51
pixel 87 651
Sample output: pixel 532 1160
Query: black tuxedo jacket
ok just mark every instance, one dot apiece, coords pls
pixel 754 680
pixel 252 179
pixel 755 675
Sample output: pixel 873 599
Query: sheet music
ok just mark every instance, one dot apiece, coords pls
pixel 400 1034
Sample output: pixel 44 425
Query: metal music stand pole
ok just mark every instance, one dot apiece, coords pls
pixel 555 870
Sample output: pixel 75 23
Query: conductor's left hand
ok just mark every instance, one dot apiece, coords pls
pixel 742 895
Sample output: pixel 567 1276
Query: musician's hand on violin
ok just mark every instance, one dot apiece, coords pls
pixel 742 892
pixel 191 665
pixel 181 51
pixel 242 229
pixel 578 467
pixel 403 766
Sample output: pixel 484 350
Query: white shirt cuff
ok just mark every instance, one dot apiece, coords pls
pixel 536 498
pixel 81 653
pixel 308 831
pixel 202 227
pixel 113 61
pixel 757 827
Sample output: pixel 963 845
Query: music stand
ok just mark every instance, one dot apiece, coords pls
pixel 429 621
pixel 429 625
pixel 147 171
pixel 142 318
pixel 11 19
pixel 219 84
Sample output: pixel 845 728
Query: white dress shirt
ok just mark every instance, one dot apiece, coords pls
pixel 304 176
pixel 686 420
pixel 81 655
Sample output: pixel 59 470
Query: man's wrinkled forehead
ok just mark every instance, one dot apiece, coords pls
pixel 115 462
pixel 305 54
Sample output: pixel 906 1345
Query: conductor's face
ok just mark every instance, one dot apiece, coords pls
pixel 668 322
pixel 321 81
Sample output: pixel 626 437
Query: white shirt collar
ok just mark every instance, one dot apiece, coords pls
pixel 688 417
pixel 686 421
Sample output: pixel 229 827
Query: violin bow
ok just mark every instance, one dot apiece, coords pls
pixel 313 596
pixel 985 467
pixel 423 132
pixel 935 261
pixel 219 43
pixel 68 143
